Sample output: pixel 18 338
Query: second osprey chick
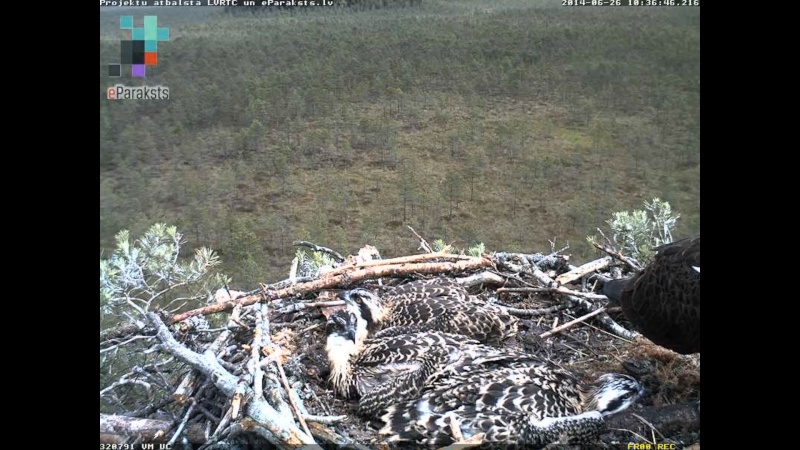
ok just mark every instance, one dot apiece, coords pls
pixel 439 304
pixel 387 370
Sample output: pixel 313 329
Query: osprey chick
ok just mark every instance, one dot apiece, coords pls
pixel 387 370
pixel 514 406
pixel 439 304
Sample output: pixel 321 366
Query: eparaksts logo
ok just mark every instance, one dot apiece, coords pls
pixel 120 92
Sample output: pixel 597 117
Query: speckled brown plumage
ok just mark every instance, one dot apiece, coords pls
pixel 663 300
pixel 387 370
pixel 528 406
pixel 439 304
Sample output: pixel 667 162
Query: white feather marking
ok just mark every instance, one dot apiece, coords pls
pixel 339 350
pixel 424 407
pixel 550 421
pixel 697 268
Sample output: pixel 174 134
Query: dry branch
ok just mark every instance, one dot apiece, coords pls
pixel 400 260
pixel 575 297
pixel 609 323
pixel 630 262
pixel 120 428
pixel 305 305
pixel 481 279
pixel 331 436
pixel 346 279
pixel 292 401
pixel 564 326
pixel 285 432
pixel 474 441
pixel 118 332
pixel 580 271
pixel 546 262
pixel 183 423
pixel 534 312
pixel 328 420
pixel 185 388
pixel 423 244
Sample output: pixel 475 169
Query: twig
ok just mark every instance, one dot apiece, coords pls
pixel 474 441
pixel 600 330
pixel 653 428
pixel 331 436
pixel 183 423
pixel 288 388
pixel 322 406
pixel 534 312
pixel 557 290
pixel 571 323
pixel 630 262
pixel 226 419
pixel 553 251
pixel 318 248
pixel 327 420
pixel 305 305
pixel 255 353
pixel 207 413
pixel 423 244
pixel 115 346
pixel 524 289
pixel 607 321
pixel 307 329
pixel 455 428
pixel 578 298
pixel 122 381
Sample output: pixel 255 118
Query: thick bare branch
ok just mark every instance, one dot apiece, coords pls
pixel 283 428
pixel 185 388
pixel 481 279
pixel 346 279
pixel 580 271
pixel 119 428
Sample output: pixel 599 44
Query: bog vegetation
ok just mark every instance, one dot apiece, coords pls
pixel 507 123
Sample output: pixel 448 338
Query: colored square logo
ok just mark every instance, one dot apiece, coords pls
pixel 125 22
pixel 137 70
pixel 141 49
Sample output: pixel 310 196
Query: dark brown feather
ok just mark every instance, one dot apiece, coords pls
pixel 663 300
